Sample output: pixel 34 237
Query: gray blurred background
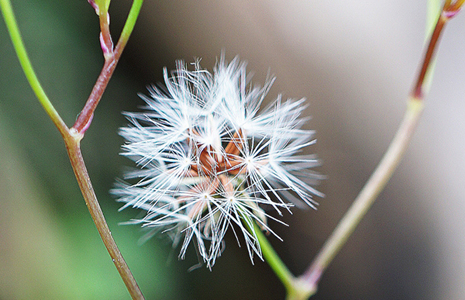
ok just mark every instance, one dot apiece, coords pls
pixel 353 60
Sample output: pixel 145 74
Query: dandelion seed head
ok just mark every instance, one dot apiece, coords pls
pixel 211 160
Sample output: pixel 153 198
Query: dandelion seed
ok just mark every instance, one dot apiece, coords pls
pixel 211 162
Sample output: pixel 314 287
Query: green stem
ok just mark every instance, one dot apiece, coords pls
pixel 31 76
pixel 295 288
pixel 129 25
pixel 273 259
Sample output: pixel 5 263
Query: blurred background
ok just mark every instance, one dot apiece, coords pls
pixel 353 60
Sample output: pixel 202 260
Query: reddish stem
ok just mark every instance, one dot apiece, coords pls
pixel 112 56
pixel 85 117
pixel 449 11
pixel 417 91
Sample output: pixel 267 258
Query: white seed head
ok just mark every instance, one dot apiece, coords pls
pixel 210 161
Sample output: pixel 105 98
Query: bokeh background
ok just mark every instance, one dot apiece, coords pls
pixel 353 60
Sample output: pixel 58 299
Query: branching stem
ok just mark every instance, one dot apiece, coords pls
pixel 388 163
pixel 112 57
pixel 73 136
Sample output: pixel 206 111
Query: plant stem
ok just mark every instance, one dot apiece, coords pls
pixel 15 35
pixel 295 290
pixel 74 151
pixel 128 26
pixel 418 90
pixel 272 258
pixel 111 60
pixel 388 163
pixel 368 194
